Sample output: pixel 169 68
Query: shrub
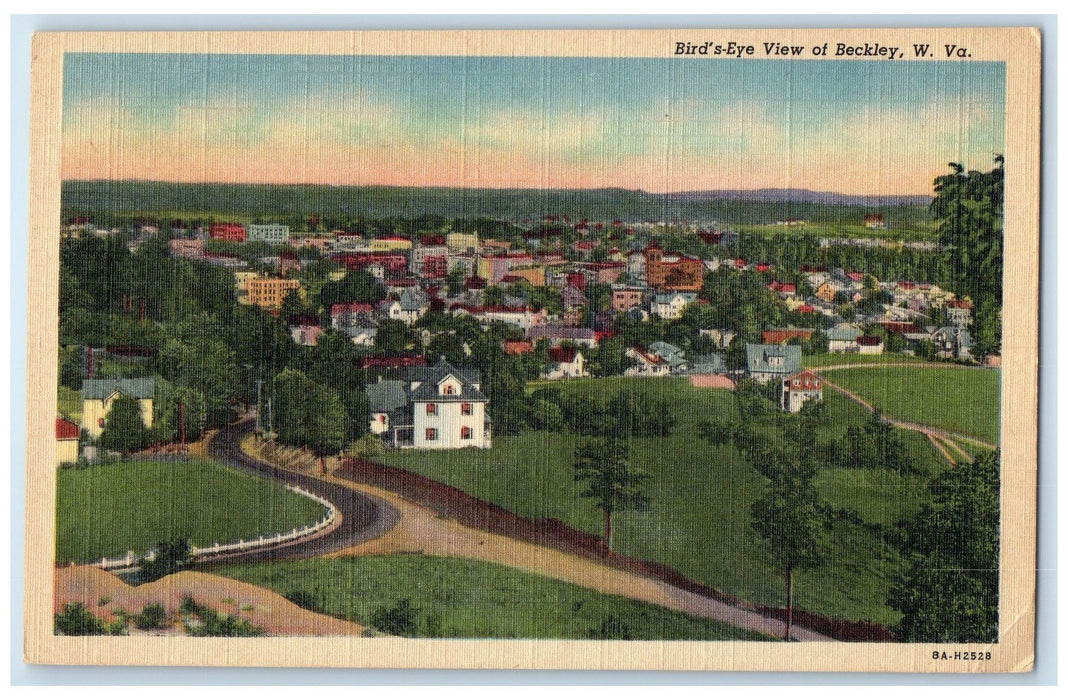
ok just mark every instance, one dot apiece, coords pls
pixel 75 620
pixel 400 620
pixel 151 617
pixel 171 556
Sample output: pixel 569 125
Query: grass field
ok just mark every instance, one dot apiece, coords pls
pixel 108 509
pixel 956 399
pixel 698 520
pixel 837 358
pixel 464 598
pixel 69 404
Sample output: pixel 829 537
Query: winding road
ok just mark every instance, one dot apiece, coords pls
pixel 363 517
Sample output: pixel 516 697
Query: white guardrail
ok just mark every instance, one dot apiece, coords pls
pixel 131 559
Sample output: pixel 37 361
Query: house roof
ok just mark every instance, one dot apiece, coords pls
pixel 843 333
pixel 65 430
pixel 703 364
pixel 869 340
pixel 432 376
pixel 562 354
pixel 775 336
pixel 759 356
pixel 665 350
pixel 386 395
pixel 562 332
pixel 134 387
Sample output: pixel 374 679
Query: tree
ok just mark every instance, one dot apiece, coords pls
pixel 124 429
pixel 171 556
pixel 603 464
pixel 179 413
pixel 308 414
pixel 638 414
pixel 787 517
pixel 947 590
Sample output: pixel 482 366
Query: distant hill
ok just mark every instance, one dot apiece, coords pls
pixel 246 202
pixel 802 195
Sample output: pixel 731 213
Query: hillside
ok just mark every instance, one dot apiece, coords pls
pixel 242 201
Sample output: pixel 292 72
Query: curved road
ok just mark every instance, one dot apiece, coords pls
pixel 363 517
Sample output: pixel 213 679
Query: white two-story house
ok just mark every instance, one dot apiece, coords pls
pixel 437 408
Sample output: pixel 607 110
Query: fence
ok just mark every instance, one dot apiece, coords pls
pixel 261 542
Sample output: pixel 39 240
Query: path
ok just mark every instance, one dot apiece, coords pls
pixel 936 435
pixel 420 530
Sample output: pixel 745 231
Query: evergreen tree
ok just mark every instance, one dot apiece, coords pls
pixel 124 428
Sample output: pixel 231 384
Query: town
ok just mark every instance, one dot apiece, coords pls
pixel 516 360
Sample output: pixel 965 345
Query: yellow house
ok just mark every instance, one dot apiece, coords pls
pixel 99 394
pixel 388 244
pixel 66 441
pixel 462 241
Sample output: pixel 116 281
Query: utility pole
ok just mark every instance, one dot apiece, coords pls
pixel 259 407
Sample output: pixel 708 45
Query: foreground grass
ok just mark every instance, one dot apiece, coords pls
pixel 698 521
pixel 108 509
pixel 463 598
pixel 956 399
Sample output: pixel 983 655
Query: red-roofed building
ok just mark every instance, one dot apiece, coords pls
pixel 800 388
pixel 806 309
pixel 67 434
pixel 518 347
pixel 779 336
pixel 567 363
pixel 870 345
pixel 762 267
pixel 646 364
pixel 227 232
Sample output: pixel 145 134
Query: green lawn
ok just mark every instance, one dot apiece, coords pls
pixel 69 404
pixel 961 400
pixel 880 496
pixel 837 358
pixel 698 520
pixel 108 509
pixel 466 598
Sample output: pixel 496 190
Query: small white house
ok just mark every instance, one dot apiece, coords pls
pixel 646 364
pixel 567 363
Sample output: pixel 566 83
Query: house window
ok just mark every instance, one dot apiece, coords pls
pixel 431 434
pixel 431 409
pixel 382 418
pixel 465 409
pixel 448 389
pixel 465 433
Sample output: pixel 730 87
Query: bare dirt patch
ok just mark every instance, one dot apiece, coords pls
pixel 105 595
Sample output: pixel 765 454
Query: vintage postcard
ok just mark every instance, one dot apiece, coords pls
pixel 694 349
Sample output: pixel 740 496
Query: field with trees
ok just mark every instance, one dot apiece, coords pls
pixel 107 509
pixel 700 495
pixel 422 596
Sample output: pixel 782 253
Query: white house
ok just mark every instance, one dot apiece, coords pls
pixel 646 364
pixel 843 338
pixel 800 388
pixel 567 363
pixel 409 308
pixel 669 306
pixel 439 407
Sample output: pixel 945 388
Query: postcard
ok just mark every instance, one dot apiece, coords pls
pixel 703 349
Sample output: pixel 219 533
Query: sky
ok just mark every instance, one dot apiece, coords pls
pixel 658 124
